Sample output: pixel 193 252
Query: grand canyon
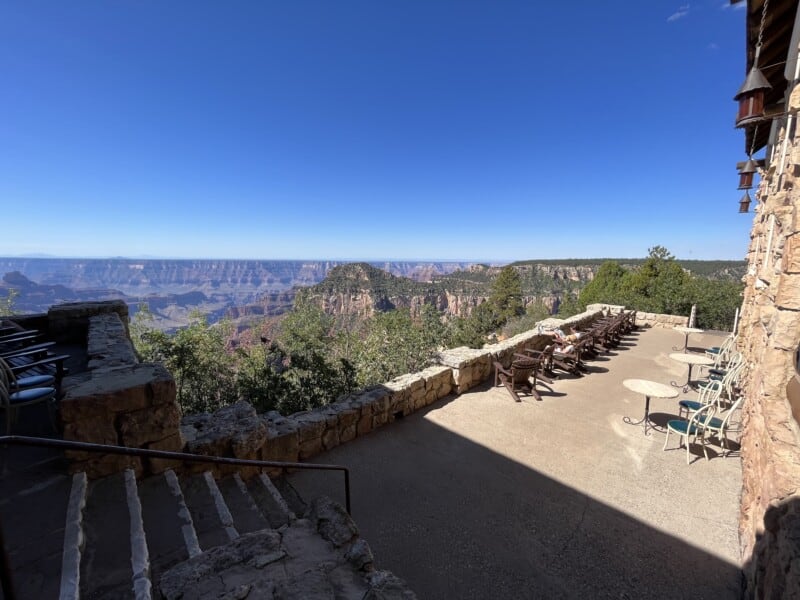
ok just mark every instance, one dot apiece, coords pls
pixel 248 290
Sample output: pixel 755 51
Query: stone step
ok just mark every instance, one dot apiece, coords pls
pixel 321 556
pixel 293 499
pixel 203 505
pixel 270 501
pixel 35 543
pixel 164 523
pixel 106 568
pixel 110 538
pixel 246 515
pixel 73 538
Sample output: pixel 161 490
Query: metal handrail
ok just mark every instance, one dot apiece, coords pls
pixel 22 440
pixel 6 580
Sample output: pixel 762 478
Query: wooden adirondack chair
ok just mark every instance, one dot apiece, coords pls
pixel 521 376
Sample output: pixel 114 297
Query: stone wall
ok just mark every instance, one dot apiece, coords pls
pixel 238 431
pixel 645 319
pixel 118 400
pixel 69 322
pixel 769 335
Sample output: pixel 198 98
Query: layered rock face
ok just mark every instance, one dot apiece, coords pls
pixel 769 337
pixel 172 289
pixel 364 304
pixel 361 290
pixel 243 277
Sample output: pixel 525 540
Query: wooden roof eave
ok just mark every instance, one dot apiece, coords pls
pixel 774 50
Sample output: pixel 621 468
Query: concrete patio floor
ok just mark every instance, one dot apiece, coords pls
pixel 481 497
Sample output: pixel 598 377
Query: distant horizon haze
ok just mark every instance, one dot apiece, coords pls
pixel 491 262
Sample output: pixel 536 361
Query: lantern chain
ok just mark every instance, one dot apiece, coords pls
pixel 763 22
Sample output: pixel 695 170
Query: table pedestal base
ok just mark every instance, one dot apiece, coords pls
pixel 686 386
pixel 644 420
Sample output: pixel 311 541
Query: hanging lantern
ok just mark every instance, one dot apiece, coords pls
pixel 746 174
pixel 744 203
pixel 751 96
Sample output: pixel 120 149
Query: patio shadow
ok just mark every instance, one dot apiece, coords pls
pixel 456 519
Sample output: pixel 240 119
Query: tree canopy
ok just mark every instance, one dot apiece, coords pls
pixel 661 285
pixel 314 358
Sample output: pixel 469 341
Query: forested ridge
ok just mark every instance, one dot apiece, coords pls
pixel 311 358
pixel 712 269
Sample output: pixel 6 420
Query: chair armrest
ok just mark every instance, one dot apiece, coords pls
pixel 57 362
pixel 17 333
pixel 49 360
pixel 499 367
pixel 28 350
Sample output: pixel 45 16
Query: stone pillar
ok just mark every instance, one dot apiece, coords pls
pixel 69 322
pixel 117 401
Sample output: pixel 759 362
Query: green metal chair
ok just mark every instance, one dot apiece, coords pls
pixel 721 353
pixel 692 428
pixel 720 426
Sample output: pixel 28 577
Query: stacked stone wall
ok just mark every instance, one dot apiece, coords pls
pixel 644 319
pixel 769 336
pixel 69 322
pixel 117 401
pixel 238 431
pixel 122 402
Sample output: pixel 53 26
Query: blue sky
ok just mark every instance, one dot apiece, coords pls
pixel 419 129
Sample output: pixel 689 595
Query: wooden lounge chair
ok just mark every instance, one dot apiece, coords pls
pixel 589 345
pixel 546 360
pixel 39 364
pixel 18 340
pixel 569 357
pixel 521 376
pixel 31 350
pixel 605 333
pixel 13 398
pixel 27 378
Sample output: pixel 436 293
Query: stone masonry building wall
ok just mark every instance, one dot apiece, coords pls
pixel 769 336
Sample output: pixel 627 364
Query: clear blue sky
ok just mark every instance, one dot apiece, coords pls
pixel 477 130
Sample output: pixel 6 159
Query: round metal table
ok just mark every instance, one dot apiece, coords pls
pixel 691 360
pixel 650 389
pixel 686 331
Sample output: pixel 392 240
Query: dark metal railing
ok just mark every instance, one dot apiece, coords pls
pixel 20 440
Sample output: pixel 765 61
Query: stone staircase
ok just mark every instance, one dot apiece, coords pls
pixel 190 536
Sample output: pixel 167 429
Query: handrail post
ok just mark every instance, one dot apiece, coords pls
pixel 347 491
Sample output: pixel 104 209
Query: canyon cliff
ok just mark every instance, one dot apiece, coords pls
pixel 248 290
pixel 360 290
